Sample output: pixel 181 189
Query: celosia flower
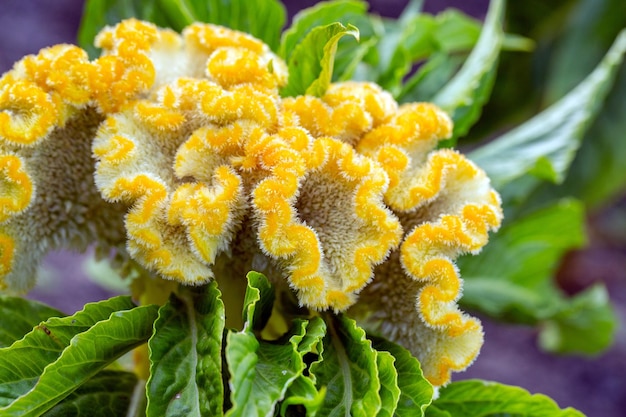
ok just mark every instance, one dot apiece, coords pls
pixel 343 198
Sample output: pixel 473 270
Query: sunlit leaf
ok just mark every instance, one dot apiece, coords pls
pixel 88 353
pixel 186 355
pixel 348 370
pixel 416 393
pixel 45 343
pixel 311 63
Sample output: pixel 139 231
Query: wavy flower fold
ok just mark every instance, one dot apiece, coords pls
pixel 200 164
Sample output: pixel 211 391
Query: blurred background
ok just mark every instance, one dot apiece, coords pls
pixel 570 38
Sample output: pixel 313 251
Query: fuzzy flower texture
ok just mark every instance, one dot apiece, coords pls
pixel 178 151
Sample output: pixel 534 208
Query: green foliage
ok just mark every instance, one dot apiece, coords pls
pixel 480 398
pixel 465 94
pixel 18 316
pixel 263 19
pixel 186 355
pixel 312 60
pixel 71 363
pixel 545 145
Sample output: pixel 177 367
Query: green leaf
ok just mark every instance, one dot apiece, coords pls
pixel 88 353
pixel 253 362
pixel 311 63
pixel 322 14
pixel 464 96
pixel 45 343
pixel 107 394
pixel 547 143
pixel 475 398
pixel 348 370
pixel 258 301
pixel 18 316
pixel 389 390
pixel 416 393
pixel 186 355
pixel 587 324
pixel 430 78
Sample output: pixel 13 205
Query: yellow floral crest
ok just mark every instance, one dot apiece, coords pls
pixel 199 162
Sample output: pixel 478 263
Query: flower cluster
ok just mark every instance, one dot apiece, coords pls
pixel 207 171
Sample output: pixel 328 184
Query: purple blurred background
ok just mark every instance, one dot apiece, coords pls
pixel 595 386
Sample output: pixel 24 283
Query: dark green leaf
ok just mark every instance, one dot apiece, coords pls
pixel 107 394
pixel 416 393
pixel 546 144
pixel 311 63
pixel 88 353
pixel 18 316
pixel 186 355
pixel 476 398
pixel 45 343
pixel 464 96
pixel 348 370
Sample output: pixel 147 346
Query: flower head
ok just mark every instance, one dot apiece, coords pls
pixel 343 198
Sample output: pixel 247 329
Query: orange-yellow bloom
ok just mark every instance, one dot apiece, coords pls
pixel 207 171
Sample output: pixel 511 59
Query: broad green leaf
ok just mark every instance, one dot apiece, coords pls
pixel 88 353
pixel 253 362
pixel 18 316
pixel 348 370
pixel 311 63
pixel 430 78
pixel 416 393
pixel 322 14
pixel 186 355
pixel 107 394
pixel 586 324
pixel 475 398
pixel 596 174
pixel 464 96
pixel 45 343
pixel 546 144
pixel 260 371
pixel 389 390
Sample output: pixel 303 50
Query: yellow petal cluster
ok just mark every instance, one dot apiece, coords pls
pixel 50 107
pixel 208 171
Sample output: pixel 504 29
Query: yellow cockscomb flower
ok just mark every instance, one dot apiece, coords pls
pixel 343 198
pixel 50 107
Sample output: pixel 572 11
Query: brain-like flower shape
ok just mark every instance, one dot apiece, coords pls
pixel 343 198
